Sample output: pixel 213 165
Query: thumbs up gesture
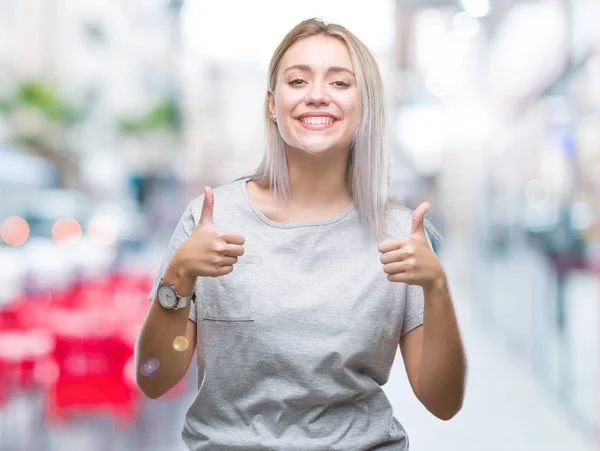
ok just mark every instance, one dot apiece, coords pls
pixel 410 259
pixel 209 252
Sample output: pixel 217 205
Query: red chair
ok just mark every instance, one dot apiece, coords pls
pixel 89 365
pixel 21 351
pixel 4 391
pixel 91 359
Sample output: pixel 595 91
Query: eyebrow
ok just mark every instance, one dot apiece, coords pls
pixel 305 68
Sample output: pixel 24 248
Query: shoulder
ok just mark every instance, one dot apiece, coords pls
pixel 399 224
pixel 398 219
pixel 224 195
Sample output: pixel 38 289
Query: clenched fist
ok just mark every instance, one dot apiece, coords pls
pixel 209 252
pixel 410 259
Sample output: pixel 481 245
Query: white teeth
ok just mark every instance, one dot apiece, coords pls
pixel 317 120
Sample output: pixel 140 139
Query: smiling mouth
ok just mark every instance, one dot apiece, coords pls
pixel 316 122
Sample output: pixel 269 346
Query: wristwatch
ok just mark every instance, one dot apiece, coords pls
pixel 170 299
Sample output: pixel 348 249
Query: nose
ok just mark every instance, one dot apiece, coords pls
pixel 317 95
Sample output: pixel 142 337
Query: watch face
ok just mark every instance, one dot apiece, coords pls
pixel 166 295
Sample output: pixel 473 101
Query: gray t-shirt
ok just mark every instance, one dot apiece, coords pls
pixel 295 344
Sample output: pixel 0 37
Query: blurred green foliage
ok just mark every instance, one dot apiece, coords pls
pixel 46 99
pixel 59 113
pixel 4 106
pixel 164 115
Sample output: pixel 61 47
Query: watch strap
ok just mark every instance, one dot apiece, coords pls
pixel 182 301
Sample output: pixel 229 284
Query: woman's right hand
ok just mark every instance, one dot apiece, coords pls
pixel 208 252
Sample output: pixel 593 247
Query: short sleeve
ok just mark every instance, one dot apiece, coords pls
pixel 182 231
pixel 413 308
pixel 414 305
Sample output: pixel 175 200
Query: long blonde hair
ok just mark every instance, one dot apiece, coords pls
pixel 368 169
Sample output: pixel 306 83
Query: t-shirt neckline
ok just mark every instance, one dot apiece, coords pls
pixel 290 225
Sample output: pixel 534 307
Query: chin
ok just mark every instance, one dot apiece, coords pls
pixel 316 148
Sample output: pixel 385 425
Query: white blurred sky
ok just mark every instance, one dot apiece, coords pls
pixel 249 30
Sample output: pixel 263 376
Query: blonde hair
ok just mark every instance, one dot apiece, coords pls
pixel 368 169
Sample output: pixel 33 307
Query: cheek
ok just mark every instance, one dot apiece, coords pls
pixel 286 125
pixel 352 120
pixel 351 110
pixel 287 100
pixel 285 110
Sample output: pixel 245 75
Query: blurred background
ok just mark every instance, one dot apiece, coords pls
pixel 115 113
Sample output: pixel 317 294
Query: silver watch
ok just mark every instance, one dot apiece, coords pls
pixel 170 299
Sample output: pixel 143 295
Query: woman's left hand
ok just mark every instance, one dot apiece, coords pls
pixel 410 259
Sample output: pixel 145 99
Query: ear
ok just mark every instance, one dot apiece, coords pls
pixel 271 99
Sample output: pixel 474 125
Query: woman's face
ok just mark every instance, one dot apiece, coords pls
pixel 316 100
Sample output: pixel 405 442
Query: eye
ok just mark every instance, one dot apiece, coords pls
pixel 341 84
pixel 296 82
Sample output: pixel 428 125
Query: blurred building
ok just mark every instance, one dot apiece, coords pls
pixel 498 110
pixel 117 61
pixel 224 127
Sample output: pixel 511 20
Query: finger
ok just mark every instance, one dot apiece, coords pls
pixel 401 277
pixel 229 261
pixel 392 244
pixel 233 250
pixel 232 238
pixel 396 256
pixel 223 271
pixel 208 205
pixel 396 268
pixel 418 219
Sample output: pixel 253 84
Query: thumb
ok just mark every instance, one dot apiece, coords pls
pixel 206 219
pixel 418 219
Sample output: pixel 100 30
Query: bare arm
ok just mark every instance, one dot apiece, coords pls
pixel 203 252
pixel 434 355
pixel 155 340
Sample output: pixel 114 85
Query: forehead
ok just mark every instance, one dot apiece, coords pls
pixel 319 52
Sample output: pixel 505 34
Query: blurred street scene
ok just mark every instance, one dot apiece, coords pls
pixel 114 114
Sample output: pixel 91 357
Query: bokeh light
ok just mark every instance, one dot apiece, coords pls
pixel 149 367
pixel 180 343
pixel 14 231
pixel 476 8
pixel 66 230
pixel 466 24
pixel 102 231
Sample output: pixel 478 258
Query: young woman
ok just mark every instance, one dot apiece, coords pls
pixel 297 284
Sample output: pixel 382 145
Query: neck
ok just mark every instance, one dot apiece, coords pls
pixel 317 181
